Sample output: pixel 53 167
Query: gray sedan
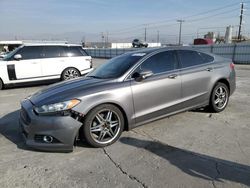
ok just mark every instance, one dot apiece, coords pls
pixel 127 91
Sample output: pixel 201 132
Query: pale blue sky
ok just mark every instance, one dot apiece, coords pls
pixel 122 19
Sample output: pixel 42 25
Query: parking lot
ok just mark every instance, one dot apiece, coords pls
pixel 191 149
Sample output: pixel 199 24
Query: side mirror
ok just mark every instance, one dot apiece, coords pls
pixel 142 76
pixel 18 57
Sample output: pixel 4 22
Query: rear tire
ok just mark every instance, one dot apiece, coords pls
pixel 70 73
pixel 103 125
pixel 219 97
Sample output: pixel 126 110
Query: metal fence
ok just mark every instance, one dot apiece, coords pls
pixel 239 53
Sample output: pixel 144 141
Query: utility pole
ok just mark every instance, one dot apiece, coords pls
pixel 102 36
pixel 145 35
pixel 181 21
pixel 241 18
pixel 107 37
pixel 158 36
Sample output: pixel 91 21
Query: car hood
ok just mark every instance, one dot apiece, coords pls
pixel 66 90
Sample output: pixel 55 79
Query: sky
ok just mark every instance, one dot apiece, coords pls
pixel 118 20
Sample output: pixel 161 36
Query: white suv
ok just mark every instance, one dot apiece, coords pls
pixel 42 62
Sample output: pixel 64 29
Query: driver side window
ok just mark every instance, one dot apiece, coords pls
pixel 159 63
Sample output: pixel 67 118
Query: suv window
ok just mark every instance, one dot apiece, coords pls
pixel 54 51
pixel 73 51
pixel 191 58
pixel 31 52
pixel 161 62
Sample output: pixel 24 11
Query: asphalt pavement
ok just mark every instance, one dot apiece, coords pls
pixel 191 149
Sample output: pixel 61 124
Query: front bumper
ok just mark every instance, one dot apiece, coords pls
pixel 62 128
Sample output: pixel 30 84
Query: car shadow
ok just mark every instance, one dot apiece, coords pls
pixel 29 85
pixel 202 110
pixel 9 128
pixel 195 164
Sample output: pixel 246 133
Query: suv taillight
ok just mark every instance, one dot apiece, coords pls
pixel 232 66
pixel 90 61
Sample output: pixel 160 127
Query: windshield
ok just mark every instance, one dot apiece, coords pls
pixel 10 54
pixel 117 66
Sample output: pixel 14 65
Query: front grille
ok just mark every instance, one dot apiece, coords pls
pixel 24 116
pixel 38 138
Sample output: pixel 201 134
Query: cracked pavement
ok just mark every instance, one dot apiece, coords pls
pixel 191 149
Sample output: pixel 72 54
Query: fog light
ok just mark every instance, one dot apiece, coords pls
pixel 48 139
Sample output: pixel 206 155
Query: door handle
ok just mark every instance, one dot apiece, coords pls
pixel 172 76
pixel 34 62
pixel 209 69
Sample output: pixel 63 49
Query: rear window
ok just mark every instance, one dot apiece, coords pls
pixel 74 51
pixel 206 58
pixel 192 58
pixel 54 51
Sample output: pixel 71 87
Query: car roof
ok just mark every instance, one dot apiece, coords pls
pixel 152 50
pixel 50 44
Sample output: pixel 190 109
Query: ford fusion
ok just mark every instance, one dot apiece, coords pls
pixel 127 91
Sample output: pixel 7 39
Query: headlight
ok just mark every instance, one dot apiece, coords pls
pixel 57 107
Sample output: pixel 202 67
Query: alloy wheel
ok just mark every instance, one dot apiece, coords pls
pixel 105 126
pixel 220 97
pixel 70 74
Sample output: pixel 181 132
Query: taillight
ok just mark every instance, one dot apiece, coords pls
pixel 232 66
pixel 90 61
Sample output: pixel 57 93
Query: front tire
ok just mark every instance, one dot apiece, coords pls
pixel 219 97
pixel 70 73
pixel 103 125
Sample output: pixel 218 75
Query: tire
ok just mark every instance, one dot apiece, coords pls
pixel 103 125
pixel 1 84
pixel 70 73
pixel 219 97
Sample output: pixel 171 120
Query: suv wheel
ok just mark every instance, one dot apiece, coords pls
pixel 103 125
pixel 219 98
pixel 70 73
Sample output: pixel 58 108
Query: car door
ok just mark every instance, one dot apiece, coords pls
pixel 196 73
pixel 27 66
pixel 160 93
pixel 54 61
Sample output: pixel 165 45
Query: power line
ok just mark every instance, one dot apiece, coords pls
pixel 154 26
pixel 208 17
pixel 172 19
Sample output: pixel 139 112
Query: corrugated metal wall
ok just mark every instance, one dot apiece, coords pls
pixel 239 53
